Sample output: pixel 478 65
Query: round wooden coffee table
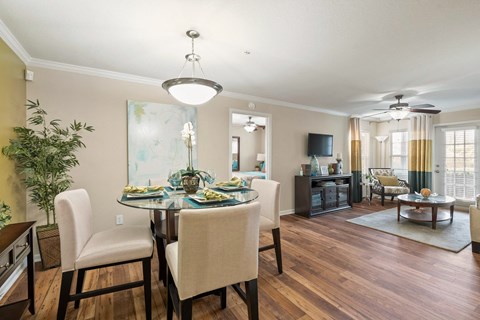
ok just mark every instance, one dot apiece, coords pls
pixel 418 202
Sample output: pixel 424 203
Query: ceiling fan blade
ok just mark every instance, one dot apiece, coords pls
pixel 425 111
pixel 425 105
pixel 382 109
pixel 375 114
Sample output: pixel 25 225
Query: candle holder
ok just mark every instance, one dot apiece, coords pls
pixel 339 168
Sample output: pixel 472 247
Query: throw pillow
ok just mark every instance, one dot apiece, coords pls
pixel 391 181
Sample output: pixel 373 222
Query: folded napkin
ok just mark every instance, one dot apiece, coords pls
pixel 235 182
pixel 210 194
pixel 141 189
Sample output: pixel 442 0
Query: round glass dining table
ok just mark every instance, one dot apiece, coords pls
pixel 172 202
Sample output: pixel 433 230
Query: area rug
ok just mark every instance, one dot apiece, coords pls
pixel 453 237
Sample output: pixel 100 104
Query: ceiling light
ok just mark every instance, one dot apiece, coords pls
pixel 250 126
pixel 193 91
pixel 399 114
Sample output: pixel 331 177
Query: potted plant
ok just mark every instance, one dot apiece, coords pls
pixel 5 216
pixel 44 153
pixel 190 176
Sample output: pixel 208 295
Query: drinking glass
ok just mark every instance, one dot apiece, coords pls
pixel 174 178
pixel 211 176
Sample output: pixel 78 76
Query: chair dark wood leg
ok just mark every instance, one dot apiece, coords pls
pixel 185 309
pixel 392 198
pixel 162 262
pixel 252 299
pixel 223 297
pixel 170 292
pixel 383 200
pixel 147 287
pixel 278 249
pixel 80 279
pixel 67 278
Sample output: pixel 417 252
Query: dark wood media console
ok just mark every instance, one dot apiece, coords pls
pixel 322 194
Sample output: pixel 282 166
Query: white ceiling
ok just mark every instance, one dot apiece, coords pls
pixel 346 57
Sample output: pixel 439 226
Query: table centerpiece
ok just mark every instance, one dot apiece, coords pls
pixel 191 177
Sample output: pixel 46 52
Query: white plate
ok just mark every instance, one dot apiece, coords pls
pixel 147 194
pixel 230 188
pixel 203 200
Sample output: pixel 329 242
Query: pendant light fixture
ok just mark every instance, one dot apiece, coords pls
pixel 192 90
pixel 399 114
pixel 250 126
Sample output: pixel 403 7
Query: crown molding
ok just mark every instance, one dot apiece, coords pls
pixel 13 43
pixel 157 82
pixel 47 64
pixel 281 103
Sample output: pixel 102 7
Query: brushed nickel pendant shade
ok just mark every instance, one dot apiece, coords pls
pixel 192 90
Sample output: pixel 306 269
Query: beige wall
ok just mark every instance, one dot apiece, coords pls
pixel 457 116
pixel 12 110
pixel 101 102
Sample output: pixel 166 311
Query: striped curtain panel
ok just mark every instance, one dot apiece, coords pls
pixel 356 159
pixel 420 152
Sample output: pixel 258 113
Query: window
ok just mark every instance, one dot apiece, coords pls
pixel 460 157
pixel 399 153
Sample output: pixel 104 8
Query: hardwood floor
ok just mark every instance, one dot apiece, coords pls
pixel 332 270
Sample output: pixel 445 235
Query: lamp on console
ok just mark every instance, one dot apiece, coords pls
pixel 261 160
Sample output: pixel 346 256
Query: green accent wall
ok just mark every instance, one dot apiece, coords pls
pixel 13 113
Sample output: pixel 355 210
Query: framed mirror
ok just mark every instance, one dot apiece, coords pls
pixel 235 153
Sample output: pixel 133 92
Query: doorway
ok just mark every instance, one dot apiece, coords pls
pixel 457 159
pixel 250 147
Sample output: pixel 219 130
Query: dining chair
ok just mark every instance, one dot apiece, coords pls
pixel 83 250
pixel 269 198
pixel 216 248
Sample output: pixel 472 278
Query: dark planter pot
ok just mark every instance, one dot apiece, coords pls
pixel 190 184
pixel 49 246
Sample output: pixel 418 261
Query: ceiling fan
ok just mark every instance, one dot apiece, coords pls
pixel 400 110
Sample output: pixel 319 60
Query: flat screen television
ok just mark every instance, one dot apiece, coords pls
pixel 320 145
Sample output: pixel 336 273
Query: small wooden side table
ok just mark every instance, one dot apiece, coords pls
pixel 16 243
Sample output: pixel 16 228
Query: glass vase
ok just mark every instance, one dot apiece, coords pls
pixel 315 167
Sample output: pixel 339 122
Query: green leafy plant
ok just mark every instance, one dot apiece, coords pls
pixel 5 216
pixel 44 153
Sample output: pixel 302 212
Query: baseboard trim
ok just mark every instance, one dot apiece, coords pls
pixel 286 212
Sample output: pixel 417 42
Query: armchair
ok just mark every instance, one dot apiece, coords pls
pixel 385 183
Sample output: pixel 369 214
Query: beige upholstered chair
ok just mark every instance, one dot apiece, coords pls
pixel 269 198
pixel 475 228
pixel 216 248
pixel 83 250
pixel 385 183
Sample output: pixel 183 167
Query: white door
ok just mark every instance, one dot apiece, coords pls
pixel 456 165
